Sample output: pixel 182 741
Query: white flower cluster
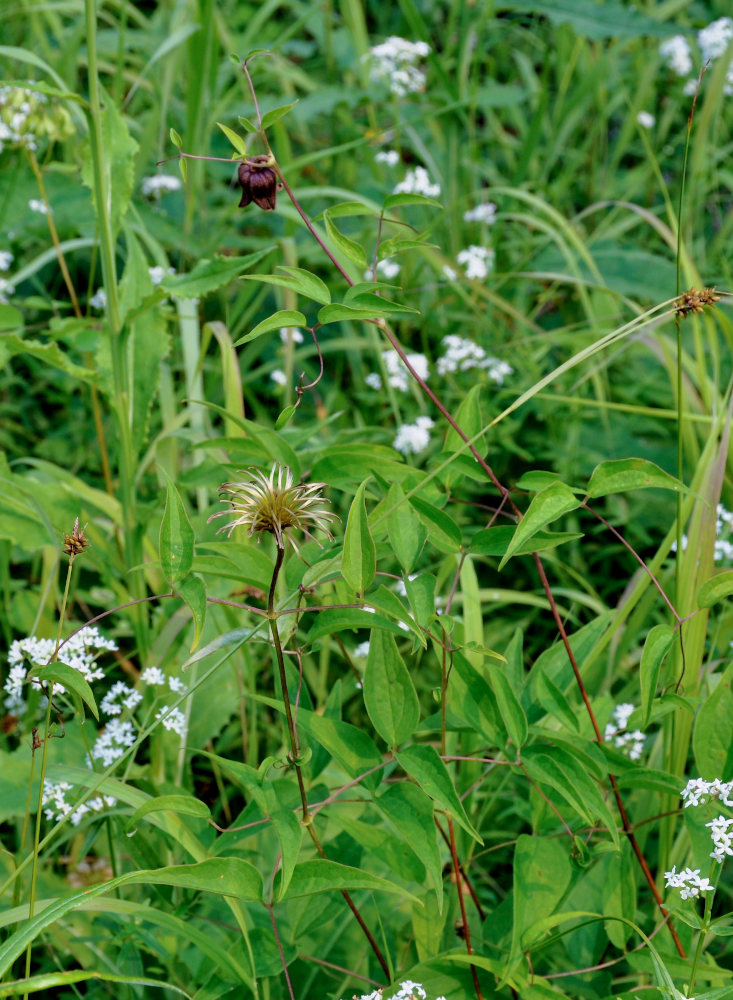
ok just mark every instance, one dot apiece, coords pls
pixel 688 882
pixel 461 355
pixel 407 991
pixel 6 259
pixel 713 42
pixel 7 290
pixel 120 697
pixel 79 652
pixel 723 549
pixel 485 213
pixel 646 119
pixel 394 61
pixel 160 184
pixel 631 743
pixel 418 181
pixel 722 838
pixel 697 792
pixel 54 798
pixel 37 205
pixel 116 737
pixel 411 439
pixel 397 375
pixel 476 262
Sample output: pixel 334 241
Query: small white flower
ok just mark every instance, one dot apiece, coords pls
pixel 476 261
pixel 413 438
pixel 721 837
pixel 157 273
pixel 155 187
pixel 688 882
pixel 7 290
pixel 450 273
pixel 6 259
pixel 462 354
pixel 390 157
pixel 279 377
pixel 118 697
pixel 176 685
pixel 291 333
pixel 398 376
pixel 388 268
pixel 646 119
pixel 99 299
pixel 714 39
pixel 361 651
pixel 113 741
pixel 417 181
pixel 36 205
pixel 485 213
pixel 154 675
pixel 394 61
pixel 676 52
pixel 174 720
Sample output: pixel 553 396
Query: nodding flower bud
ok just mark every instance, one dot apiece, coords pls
pixel 259 182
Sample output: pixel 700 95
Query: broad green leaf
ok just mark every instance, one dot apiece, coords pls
pixel 495 541
pixel 610 19
pixel 328 622
pixel 389 694
pixel 50 354
pixel 717 588
pixel 510 708
pixel 537 479
pixel 52 982
pixel 176 537
pixel 554 701
pixel 192 589
pixel 71 679
pixel 284 317
pixel 468 418
pixel 421 595
pixel 711 741
pixel 369 300
pixel 387 601
pixel 337 313
pixel 236 140
pixel 443 532
pixel 422 762
pixel 541 869
pixel 270 117
pixel 411 813
pixel 182 805
pixel 473 622
pixel 352 250
pixel 208 275
pixel 351 747
pixel 473 699
pixel 657 645
pixel 406 533
pixel 359 562
pixel 289 832
pixel 117 169
pixel 549 504
pixel 630 474
pixel 284 417
pixel 297 279
pixel 320 875
pixel 10 318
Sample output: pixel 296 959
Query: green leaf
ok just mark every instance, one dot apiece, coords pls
pixel 552 699
pixel 208 275
pixel 50 354
pixel 10 318
pixel 62 673
pixel 320 875
pixel 351 747
pixel 495 541
pixel 597 21
pixel 368 300
pixel 443 532
pixel 395 200
pixel 630 474
pixel 176 537
pixel 542 873
pixel 181 805
pixel 473 621
pixel 284 417
pixel 192 589
pixel 289 832
pixel 657 645
pixel 117 167
pixel 183 167
pixel 717 588
pixel 406 533
pixel 389 694
pixel 711 741
pixel 387 601
pixel 176 139
pixel 337 313
pixel 236 140
pixel 510 709
pixel 284 317
pixel 297 279
pixel 468 417
pixel 247 124
pixel 411 813
pixel 549 504
pixel 352 250
pixel 359 562
pixel 328 622
pixel 276 114
pixel 423 763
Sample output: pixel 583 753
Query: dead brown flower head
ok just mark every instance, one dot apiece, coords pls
pixel 75 543
pixel 259 182
pixel 695 299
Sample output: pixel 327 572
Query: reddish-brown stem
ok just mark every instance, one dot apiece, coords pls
pixel 284 964
pixel 466 879
pixel 462 904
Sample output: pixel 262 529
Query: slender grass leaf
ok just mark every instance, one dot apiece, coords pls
pixel 657 645
pixel 389 694
pixel 549 504
pixel 423 763
pixel 359 562
pixel 54 980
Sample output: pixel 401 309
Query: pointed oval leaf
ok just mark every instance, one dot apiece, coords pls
pixel 176 537
pixel 510 708
pixel 359 561
pixel 71 679
pixel 630 474
pixel 395 200
pixel 715 589
pixel 656 647
pixel 276 114
pixel 321 875
pixel 193 591
pixel 423 763
pixel 182 805
pixel 352 250
pixel 549 504
pixel 443 532
pixel 389 694
pixel 283 317
pixel 407 533
pixel 176 139
pixel 411 813
pixel 289 832
pixel 236 140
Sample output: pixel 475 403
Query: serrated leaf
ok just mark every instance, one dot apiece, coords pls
pixel 236 140
pixel 283 317
pixel 71 679
pixel 208 275
pixel 276 114
pixel 630 474
pixel 549 504
pixel 176 537
pixel 359 561
pixel 717 588
pixel 352 250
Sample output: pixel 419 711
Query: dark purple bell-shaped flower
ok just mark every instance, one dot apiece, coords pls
pixel 259 182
